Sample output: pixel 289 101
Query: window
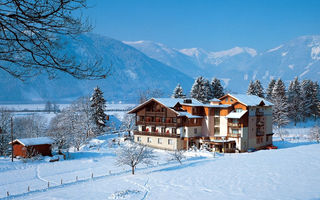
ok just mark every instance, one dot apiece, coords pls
pixel 217 121
pixel 159 140
pixel 195 130
pixel 170 142
pixel 174 130
pixel 235 131
pixel 149 140
pixel 259 140
pixel 163 130
pixel 238 110
pixel 184 130
pixel 235 121
pixel 163 119
pixel 174 120
pixel 267 138
pixel 143 128
pixel 217 130
pixel 217 112
pixel 227 99
pixel 153 129
pixel 139 139
pixel 231 100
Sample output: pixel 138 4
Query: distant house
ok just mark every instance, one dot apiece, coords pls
pixel 232 123
pixel 28 147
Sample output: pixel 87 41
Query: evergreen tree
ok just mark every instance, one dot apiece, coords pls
pixel 98 103
pixel 307 97
pixel 178 92
pixel 258 89
pixel 315 112
pixel 201 90
pixel 280 106
pixel 251 89
pixel 295 101
pixel 217 89
pixel 269 89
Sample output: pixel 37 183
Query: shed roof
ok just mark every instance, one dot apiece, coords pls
pixel 34 141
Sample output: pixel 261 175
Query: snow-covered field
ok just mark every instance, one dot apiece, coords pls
pixel 291 172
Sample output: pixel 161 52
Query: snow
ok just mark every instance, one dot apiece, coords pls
pixel 284 53
pixel 236 115
pixel 189 115
pixel 291 172
pixel 315 53
pixel 250 100
pixel 291 66
pixel 275 49
pixel 234 51
pixel 35 141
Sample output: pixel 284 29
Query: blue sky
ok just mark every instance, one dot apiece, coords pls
pixel 209 24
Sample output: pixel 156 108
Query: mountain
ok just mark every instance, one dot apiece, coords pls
pixel 237 66
pixel 132 73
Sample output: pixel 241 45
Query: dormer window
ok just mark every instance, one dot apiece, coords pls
pixel 238 110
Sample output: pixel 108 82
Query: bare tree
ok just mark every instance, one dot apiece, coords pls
pixel 177 155
pixel 128 123
pixel 315 133
pixel 5 129
pixel 30 126
pixel 33 35
pixel 132 154
pixel 145 95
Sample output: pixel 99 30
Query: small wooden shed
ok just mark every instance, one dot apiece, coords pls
pixel 29 147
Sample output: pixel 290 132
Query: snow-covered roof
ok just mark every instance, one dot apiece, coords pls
pixel 250 100
pixel 215 100
pixel 236 115
pixel 34 141
pixel 217 106
pixel 188 115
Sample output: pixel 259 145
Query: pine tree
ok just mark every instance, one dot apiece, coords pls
pixel 259 91
pixel 315 100
pixel 217 89
pixel 201 90
pixel 251 89
pixel 280 106
pixel 295 101
pixel 269 89
pixel 99 104
pixel 178 92
pixel 307 97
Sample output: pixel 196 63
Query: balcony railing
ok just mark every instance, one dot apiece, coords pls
pixel 159 134
pixel 234 125
pixel 234 135
pixel 155 113
pixel 167 124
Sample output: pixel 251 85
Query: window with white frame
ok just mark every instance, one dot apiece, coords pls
pixel 170 142
pixel 159 140
pixel 139 139
pixel 149 139
pixel 195 131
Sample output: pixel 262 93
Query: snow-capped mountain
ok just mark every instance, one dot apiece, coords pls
pixel 131 73
pixel 237 66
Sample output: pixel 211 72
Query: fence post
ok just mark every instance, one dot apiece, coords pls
pixel 61 181
pixel 28 188
pixel 48 184
pixel 76 178
pixel 8 193
pixel 91 175
pixel 109 172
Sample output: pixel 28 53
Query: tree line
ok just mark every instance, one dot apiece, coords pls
pixel 202 90
pixel 72 127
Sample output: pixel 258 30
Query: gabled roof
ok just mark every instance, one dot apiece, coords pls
pixel 250 100
pixel 236 115
pixel 169 102
pixel 34 141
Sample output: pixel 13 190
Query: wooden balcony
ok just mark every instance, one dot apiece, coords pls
pixel 234 135
pixel 236 125
pixel 260 123
pixel 146 123
pixel 155 114
pixel 157 134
